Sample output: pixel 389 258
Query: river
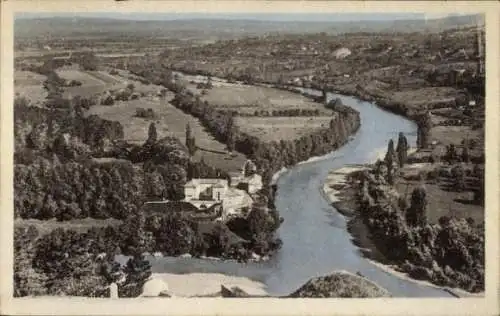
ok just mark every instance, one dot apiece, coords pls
pixel 315 237
pixel 314 234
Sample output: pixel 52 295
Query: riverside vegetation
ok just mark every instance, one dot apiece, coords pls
pixel 448 252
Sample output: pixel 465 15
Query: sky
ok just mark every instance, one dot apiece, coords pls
pixel 331 17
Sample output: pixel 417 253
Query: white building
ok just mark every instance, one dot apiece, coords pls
pixel 250 183
pixel 205 189
pixel 342 53
pixel 205 193
pixel 253 183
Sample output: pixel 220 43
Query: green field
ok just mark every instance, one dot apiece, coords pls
pixel 170 121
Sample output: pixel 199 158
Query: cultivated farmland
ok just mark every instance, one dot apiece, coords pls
pixel 246 99
pixel 281 128
pixel 30 85
pixel 169 121
pixel 91 84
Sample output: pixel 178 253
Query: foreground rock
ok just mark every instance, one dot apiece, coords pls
pixel 340 284
pixel 233 292
pixel 336 285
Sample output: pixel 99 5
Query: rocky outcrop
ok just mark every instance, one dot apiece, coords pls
pixel 233 292
pixel 154 288
pixel 340 285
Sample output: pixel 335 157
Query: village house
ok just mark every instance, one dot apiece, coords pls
pixel 246 179
pixel 251 184
pixel 205 189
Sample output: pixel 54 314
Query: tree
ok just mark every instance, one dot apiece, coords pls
pixel 390 156
pixel 230 134
pixel 88 61
pixel 175 236
pixel 137 271
pixel 424 130
pixel 479 192
pixel 27 281
pixel 259 221
pixel 416 214
pixel 218 241
pixel 51 209
pixel 402 149
pixel 69 261
pixel 155 185
pixel 458 174
pixel 108 100
pixel 134 234
pixel 451 154
pixel 152 134
pixel 190 141
pixel 465 152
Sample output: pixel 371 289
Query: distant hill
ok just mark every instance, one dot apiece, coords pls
pixel 200 28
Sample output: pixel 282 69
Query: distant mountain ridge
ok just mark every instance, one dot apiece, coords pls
pixel 97 26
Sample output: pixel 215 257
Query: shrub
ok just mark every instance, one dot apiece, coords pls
pixel 123 95
pixel 108 100
pixel 458 174
pixel 145 113
pixel 74 83
pixel 433 175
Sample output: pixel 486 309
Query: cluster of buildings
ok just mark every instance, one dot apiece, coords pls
pixel 212 199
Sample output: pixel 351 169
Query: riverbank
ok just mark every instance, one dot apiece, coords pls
pixel 207 284
pixel 343 197
pixel 391 269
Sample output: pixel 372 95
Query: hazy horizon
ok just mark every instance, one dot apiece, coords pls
pixel 274 17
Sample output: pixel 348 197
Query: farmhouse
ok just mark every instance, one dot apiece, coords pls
pixel 247 179
pixel 204 193
pixel 205 189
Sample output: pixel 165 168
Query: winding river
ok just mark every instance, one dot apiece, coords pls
pixel 314 234
pixel 315 237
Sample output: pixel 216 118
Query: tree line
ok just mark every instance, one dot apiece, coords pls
pixel 271 156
